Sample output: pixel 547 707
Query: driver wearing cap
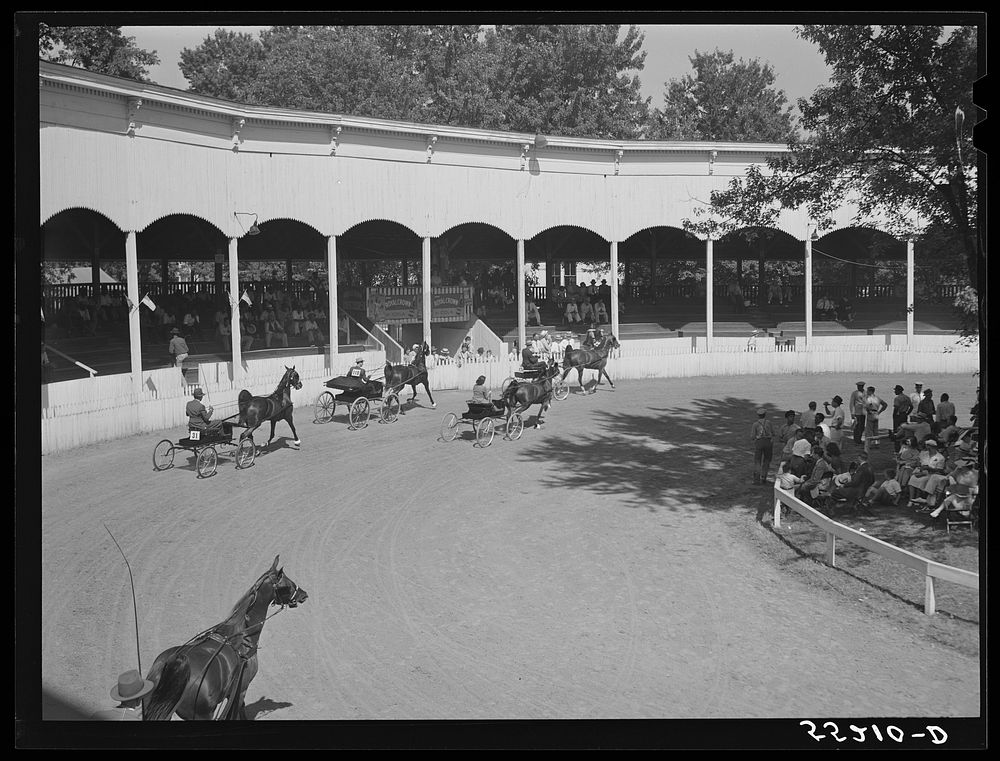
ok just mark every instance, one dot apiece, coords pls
pixel 358 371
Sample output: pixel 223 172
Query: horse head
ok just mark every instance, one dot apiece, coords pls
pixel 285 590
pixel 292 377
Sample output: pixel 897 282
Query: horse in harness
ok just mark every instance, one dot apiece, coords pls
pixel 520 394
pixel 397 376
pixel 254 410
pixel 217 665
pixel 590 359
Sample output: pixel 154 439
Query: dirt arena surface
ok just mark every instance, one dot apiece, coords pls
pixel 609 565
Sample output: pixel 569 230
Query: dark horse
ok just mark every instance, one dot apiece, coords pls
pixel 254 410
pixel 590 359
pixel 522 394
pixel 193 679
pixel 397 376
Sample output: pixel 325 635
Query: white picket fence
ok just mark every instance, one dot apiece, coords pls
pixel 102 408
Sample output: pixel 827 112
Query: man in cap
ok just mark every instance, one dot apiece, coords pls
pixel 178 347
pixel 786 432
pixel 358 371
pixel 857 406
pixel 530 360
pixel 917 395
pixel 199 416
pixel 128 692
pixel 761 435
pixel 901 407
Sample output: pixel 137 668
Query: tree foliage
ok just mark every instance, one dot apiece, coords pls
pixel 725 100
pixel 103 49
pixel 891 134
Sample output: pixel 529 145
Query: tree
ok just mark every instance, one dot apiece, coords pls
pixel 724 100
pixel 225 65
pixel 103 49
pixel 889 134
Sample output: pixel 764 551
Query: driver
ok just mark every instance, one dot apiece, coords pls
pixel 530 360
pixel 199 416
pixel 481 394
pixel 358 371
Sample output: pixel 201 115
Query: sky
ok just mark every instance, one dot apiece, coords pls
pixel 798 65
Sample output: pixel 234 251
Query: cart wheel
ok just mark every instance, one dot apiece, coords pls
pixel 246 453
pixel 207 461
pixel 515 426
pixel 485 431
pixel 359 413
pixel 390 408
pixel 163 455
pixel 325 407
pixel 449 427
pixel 560 389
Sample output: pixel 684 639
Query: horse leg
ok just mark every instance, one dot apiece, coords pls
pixel 427 387
pixel 604 372
pixel 271 437
pixel 539 422
pixel 288 419
pixel 579 379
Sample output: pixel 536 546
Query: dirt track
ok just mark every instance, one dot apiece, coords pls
pixel 606 566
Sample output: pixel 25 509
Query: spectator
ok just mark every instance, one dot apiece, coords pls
pixel 248 333
pixel 543 345
pixel 314 333
pixel 901 406
pixel 945 410
pixel 275 329
pixel 950 433
pixel 531 312
pixel 586 312
pixel 885 493
pixel 809 420
pixel 907 460
pixel 963 486
pixel 836 419
pixel 604 293
pixel 224 332
pixel 974 412
pixel 178 348
pixel 863 478
pixel 927 407
pixel 920 428
pixel 786 479
pixel 735 294
pixel 917 396
pixel 600 313
pixel 774 292
pixel 762 437
pixel 928 473
pixel 857 407
pixel 834 457
pixel 513 354
pixel 874 406
pixel 572 314
pixel 798 462
pixel 808 490
pixel 787 431
pixel 128 693
pixel 845 310
pixel 298 319
pixel 46 365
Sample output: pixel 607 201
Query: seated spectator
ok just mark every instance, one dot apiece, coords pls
pixel 920 428
pixel 572 314
pixel 885 493
pixel 531 312
pixel 907 460
pixel 275 330
pixel 191 324
pixel 248 333
pixel 482 311
pixel 961 491
pixel 786 479
pixel 798 462
pixel 314 335
pixel 808 490
pixel 224 332
pixel 600 313
pixel 586 311
pixel 297 319
pixel 929 473
pixel 844 478
pixel 858 486
pixel 950 433
pixel 834 457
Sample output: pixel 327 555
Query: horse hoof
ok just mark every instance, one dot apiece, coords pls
pixel 433 406
pixel 297 442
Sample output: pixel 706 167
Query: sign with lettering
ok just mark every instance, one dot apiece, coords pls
pixel 398 306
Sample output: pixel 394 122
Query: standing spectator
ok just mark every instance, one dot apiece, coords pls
pixel 735 294
pixel 762 435
pixel 46 365
pixel 513 354
pixel 945 410
pixel 787 432
pixel 128 693
pixel 857 405
pixel 837 417
pixel 873 408
pixel 926 406
pixel 917 396
pixel 225 333
pixel 787 291
pixel 178 348
pixel 901 406
pixel 604 291
pixel 298 319
pixel 809 421
pixel 774 292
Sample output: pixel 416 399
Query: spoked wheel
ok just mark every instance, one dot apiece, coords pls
pixel 325 407
pixel 515 426
pixel 246 453
pixel 163 455
pixel 208 460
pixel 560 389
pixel 359 413
pixel 449 427
pixel 390 408
pixel 485 431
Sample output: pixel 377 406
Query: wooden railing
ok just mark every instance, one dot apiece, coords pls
pixel 931 569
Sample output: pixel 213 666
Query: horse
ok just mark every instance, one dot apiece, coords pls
pixel 520 395
pixel 397 376
pixel 254 410
pixel 218 664
pixel 590 359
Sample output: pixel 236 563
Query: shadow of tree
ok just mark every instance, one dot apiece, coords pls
pixel 264 706
pixel 668 458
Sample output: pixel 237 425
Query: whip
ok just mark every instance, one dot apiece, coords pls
pixel 135 612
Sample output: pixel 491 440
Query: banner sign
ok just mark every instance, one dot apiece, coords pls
pixel 399 306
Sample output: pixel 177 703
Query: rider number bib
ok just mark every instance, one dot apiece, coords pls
pixel 194 435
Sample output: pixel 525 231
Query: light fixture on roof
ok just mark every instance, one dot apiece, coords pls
pixel 254 230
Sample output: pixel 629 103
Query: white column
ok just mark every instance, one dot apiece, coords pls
pixel 426 279
pixel 132 286
pixel 562 274
pixel 521 316
pixel 709 298
pixel 614 289
pixel 809 290
pixel 234 301
pixel 333 305
pixel 909 291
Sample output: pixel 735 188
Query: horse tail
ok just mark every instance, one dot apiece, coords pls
pixel 168 691
pixel 243 400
